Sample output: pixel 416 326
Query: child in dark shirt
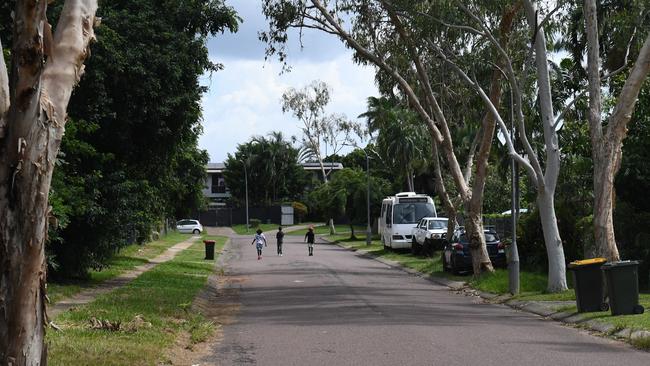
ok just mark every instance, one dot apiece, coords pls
pixel 309 237
pixel 280 237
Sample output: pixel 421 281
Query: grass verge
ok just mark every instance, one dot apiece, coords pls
pixel 125 260
pixel 133 325
pixel 325 230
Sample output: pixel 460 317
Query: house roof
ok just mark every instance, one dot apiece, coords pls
pixel 220 167
pixel 215 167
pixel 327 165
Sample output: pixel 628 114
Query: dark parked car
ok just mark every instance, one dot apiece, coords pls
pixel 456 257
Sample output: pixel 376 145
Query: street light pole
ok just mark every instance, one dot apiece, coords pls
pixel 368 228
pixel 513 258
pixel 246 186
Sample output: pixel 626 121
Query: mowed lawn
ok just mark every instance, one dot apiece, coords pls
pixel 125 260
pixel 152 311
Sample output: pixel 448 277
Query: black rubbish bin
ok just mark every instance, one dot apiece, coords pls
pixel 588 284
pixel 623 287
pixel 209 249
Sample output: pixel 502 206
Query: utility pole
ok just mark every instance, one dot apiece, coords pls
pixel 513 257
pixel 246 186
pixel 368 228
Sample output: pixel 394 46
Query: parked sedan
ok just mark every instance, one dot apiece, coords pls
pixel 457 258
pixel 188 226
pixel 428 235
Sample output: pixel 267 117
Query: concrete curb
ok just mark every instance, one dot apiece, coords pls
pixel 542 309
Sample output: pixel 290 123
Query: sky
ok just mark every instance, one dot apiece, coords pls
pixel 244 99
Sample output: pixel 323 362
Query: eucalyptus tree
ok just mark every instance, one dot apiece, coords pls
pixel 389 36
pixel 609 128
pixel 319 130
pixel 34 96
pixel 544 171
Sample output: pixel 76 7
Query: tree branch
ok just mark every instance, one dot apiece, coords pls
pixel 64 69
pixel 593 72
pixel 617 128
pixel 456 171
pixel 455 26
pixel 4 93
pixel 514 84
pixel 535 172
pixel 381 64
pixel 472 152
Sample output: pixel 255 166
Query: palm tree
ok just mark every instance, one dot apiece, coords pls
pixel 401 140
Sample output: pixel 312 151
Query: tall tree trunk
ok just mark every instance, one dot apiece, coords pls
pixel 40 90
pixel 409 179
pixel 442 191
pixel 603 222
pixel 480 257
pixel 548 182
pixel 332 227
pixel 554 248
pixel 607 146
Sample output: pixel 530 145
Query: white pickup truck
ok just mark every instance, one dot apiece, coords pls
pixel 428 232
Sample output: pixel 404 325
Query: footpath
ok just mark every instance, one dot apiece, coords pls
pixel 552 310
pixel 89 295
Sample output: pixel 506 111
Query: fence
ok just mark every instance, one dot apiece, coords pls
pixel 229 216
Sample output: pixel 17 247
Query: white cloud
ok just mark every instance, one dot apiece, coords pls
pixel 244 99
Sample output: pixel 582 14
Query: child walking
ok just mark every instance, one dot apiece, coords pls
pixel 309 237
pixel 259 240
pixel 280 237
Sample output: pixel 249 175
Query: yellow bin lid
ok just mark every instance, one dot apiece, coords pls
pixel 586 262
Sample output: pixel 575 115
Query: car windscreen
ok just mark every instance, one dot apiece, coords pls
pixel 437 224
pixel 489 238
pixel 411 213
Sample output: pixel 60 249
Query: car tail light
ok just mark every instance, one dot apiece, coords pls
pixel 458 247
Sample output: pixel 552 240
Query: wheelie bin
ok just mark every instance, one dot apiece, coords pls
pixel 588 284
pixel 623 287
pixel 209 249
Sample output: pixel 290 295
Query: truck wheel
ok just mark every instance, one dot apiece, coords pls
pixel 454 269
pixel 444 262
pixel 414 247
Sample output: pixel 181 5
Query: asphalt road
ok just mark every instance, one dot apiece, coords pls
pixel 337 308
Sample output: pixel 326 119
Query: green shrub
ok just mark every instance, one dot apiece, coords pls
pixel 254 223
pixel 300 210
pixel 532 250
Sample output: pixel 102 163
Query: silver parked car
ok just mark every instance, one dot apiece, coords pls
pixel 188 226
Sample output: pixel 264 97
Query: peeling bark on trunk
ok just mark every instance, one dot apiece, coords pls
pixel 474 231
pixel 607 146
pixel 603 222
pixel 40 90
pixel 547 183
pixel 554 248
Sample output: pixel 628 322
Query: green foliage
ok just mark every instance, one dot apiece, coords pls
pixel 532 251
pixel 272 169
pixel 403 140
pixel 345 195
pixel 300 210
pixel 254 223
pixel 129 157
